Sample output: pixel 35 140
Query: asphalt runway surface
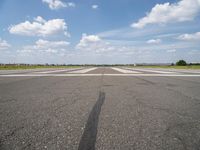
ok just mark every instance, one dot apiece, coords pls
pixel 100 109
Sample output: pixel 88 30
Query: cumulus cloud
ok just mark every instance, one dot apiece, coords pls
pixel 88 39
pixel 154 41
pixel 44 46
pixel 4 44
pixel 39 19
pixel 40 27
pixel 184 10
pixel 93 43
pixel 95 6
pixel 190 37
pixel 57 4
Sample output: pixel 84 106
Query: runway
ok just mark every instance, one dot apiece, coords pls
pixel 100 109
pixel 93 71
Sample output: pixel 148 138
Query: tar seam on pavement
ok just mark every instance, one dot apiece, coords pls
pixel 88 139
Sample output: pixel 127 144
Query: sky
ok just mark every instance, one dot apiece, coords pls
pixel 99 31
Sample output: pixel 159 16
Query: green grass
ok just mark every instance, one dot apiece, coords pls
pixel 13 67
pixel 173 67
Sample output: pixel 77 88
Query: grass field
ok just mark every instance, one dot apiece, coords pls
pixel 172 67
pixel 14 67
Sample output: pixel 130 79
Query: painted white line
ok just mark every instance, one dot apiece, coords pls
pixel 90 75
pixel 56 71
pixel 185 71
pixel 155 75
pixel 149 70
pixel 124 70
pixel 83 70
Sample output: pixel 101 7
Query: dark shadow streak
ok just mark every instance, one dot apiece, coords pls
pixel 88 138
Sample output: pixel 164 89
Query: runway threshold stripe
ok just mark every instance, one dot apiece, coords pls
pixel 91 75
pixel 154 71
pixel 83 71
pixel 124 70
pixel 56 71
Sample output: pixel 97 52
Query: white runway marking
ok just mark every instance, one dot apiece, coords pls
pixel 83 71
pixel 186 71
pixel 90 75
pixel 124 70
pixel 149 70
pixel 56 71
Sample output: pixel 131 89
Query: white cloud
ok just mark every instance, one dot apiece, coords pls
pixel 44 46
pixel 71 4
pixel 57 4
pixel 44 51
pixel 184 10
pixel 39 19
pixel 93 43
pixel 95 6
pixel 171 51
pixel 40 27
pixel 154 41
pixel 4 44
pixel 189 37
pixel 88 39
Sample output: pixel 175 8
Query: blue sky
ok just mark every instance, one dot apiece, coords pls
pixel 99 31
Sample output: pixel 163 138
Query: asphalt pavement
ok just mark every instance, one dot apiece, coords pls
pixel 100 109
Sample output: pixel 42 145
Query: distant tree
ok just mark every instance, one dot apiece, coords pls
pixel 181 63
